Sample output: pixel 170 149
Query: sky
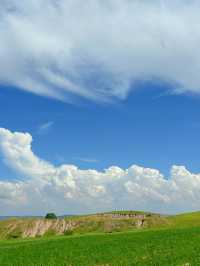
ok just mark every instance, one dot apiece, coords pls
pixel 99 106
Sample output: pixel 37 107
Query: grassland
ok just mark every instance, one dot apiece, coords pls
pixel 176 242
pixel 152 247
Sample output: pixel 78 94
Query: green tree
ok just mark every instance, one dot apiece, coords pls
pixel 50 216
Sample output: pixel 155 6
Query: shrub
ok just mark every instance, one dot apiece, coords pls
pixel 15 234
pixel 50 232
pixel 68 232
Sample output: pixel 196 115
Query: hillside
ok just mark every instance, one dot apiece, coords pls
pixel 117 221
pixel 99 223
pixel 185 220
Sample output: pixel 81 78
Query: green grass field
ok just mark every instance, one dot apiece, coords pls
pixel 152 247
pixel 175 243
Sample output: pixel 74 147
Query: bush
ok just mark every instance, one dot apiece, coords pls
pixel 15 234
pixel 68 232
pixel 50 232
pixel 50 216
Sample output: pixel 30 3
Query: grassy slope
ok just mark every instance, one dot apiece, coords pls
pixel 152 247
pixel 185 220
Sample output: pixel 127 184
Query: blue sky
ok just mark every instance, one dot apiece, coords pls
pixel 149 128
pixel 99 106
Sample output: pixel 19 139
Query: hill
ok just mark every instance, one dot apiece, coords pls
pixel 100 223
pixel 117 221
pixel 185 220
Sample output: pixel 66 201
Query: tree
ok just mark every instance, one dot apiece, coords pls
pixel 50 216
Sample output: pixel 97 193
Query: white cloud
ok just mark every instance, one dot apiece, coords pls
pixel 98 49
pixel 68 189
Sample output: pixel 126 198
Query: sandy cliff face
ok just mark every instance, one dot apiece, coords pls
pixel 41 226
pixel 25 228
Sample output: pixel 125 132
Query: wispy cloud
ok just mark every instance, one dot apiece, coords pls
pixel 100 49
pixel 86 160
pixel 45 127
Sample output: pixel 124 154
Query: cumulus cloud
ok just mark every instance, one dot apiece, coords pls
pixel 98 49
pixel 68 189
